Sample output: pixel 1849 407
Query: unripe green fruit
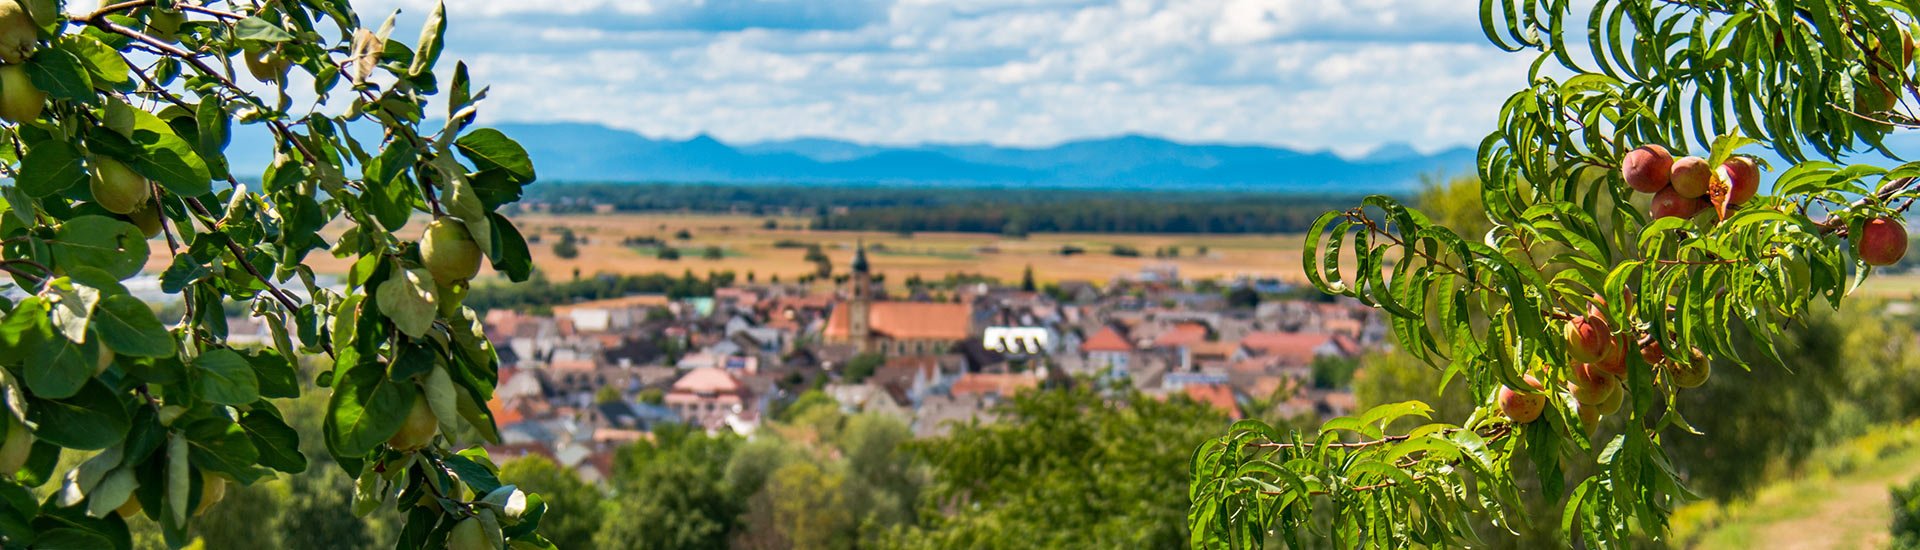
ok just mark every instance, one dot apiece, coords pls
pixel 449 251
pixel 19 35
pixel 266 64
pixel 1693 372
pixel 468 535
pixel 449 297
pixel 165 24
pixel 106 360
pixel 1522 407
pixel 19 443
pixel 419 429
pixel 147 218
pixel 1613 402
pixel 1690 177
pixel 1589 417
pixel 212 489
pixel 117 188
pixel 129 508
pixel 20 100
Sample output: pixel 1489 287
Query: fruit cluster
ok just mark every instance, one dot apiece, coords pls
pixel 1683 187
pixel 1596 379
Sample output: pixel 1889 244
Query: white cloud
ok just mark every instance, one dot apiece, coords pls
pixel 1305 73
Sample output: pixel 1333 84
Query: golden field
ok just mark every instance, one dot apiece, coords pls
pixel 750 248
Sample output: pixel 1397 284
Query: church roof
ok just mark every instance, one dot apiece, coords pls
pixel 907 320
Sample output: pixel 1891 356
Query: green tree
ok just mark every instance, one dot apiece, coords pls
pixel 567 247
pixel 862 366
pixel 1579 287
pixel 576 507
pixel 672 493
pixel 117 121
pixel 1064 469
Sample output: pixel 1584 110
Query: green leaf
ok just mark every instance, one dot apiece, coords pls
pixel 407 298
pixel 56 368
pixel 226 378
pixel 489 149
pixel 260 30
pixel 50 167
pixel 276 374
pixel 168 159
pixel 509 254
pixel 93 419
pixel 61 74
pixel 113 246
pixel 430 41
pixel 184 271
pixel 367 408
pixel 278 443
pixel 129 327
pixel 103 63
pixel 221 445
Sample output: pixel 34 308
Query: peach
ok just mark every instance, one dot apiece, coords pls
pixel 1690 177
pixel 1647 169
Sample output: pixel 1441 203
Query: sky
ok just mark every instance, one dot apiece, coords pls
pixel 1345 75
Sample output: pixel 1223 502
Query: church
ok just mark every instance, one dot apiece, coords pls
pixel 898 329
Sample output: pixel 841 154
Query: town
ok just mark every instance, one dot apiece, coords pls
pixel 581 382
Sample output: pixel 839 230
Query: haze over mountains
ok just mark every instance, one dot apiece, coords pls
pixel 586 152
pixel 575 152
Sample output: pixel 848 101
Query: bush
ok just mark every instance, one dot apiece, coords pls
pixel 1906 516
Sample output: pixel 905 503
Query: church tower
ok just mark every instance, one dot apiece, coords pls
pixel 858 328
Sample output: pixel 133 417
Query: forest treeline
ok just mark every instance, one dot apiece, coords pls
pixel 970 210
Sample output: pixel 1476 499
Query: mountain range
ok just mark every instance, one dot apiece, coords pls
pixel 587 152
pixel 577 152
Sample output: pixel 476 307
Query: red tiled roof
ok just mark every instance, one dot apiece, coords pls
pixel 1108 340
pixel 907 320
pixel 1000 384
pixel 1183 334
pixel 1294 347
pixel 574 365
pixel 1220 397
pixel 707 380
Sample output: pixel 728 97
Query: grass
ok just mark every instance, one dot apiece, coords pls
pixel 1839 501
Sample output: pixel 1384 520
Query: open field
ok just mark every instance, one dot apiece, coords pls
pixel 748 247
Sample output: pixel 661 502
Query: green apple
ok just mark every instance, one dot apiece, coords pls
pixel 117 188
pixel 419 428
pixel 449 251
pixel 20 100
pixel 19 35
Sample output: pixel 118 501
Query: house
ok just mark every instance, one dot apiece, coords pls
pixel 707 397
pixel 1108 349
pixel 895 328
pixel 1299 349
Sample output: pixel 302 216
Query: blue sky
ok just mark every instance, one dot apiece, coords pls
pixel 1313 74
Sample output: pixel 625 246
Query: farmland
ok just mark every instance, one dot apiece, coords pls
pixel 748 247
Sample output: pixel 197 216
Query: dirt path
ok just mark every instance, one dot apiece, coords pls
pixel 1852 513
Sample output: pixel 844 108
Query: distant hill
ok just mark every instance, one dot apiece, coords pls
pixel 573 152
pixel 586 152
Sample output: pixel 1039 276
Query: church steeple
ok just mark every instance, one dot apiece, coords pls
pixel 858 322
pixel 860 258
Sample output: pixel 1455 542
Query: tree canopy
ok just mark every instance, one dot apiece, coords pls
pixel 1626 256
pixel 117 124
